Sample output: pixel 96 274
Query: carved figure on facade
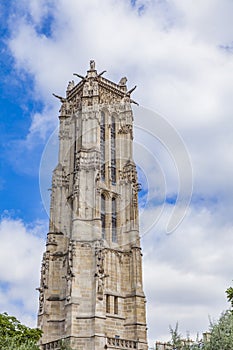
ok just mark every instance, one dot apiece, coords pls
pixel 69 287
pixel 100 274
pixel 92 64
pixel 123 81
pixel 97 178
pixel 66 107
pixel 107 96
pixel 86 89
pixel 45 270
pixel 70 258
pixel 41 299
pixel 44 280
pixel 77 102
pixel 70 85
pixel 98 188
pixel 70 273
pixel 51 240
pixel 95 88
pixel 134 202
pixel 129 173
pixel 126 129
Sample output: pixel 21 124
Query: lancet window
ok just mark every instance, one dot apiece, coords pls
pixel 107 303
pixel 113 151
pixel 102 145
pixel 115 305
pixel 103 215
pixel 114 221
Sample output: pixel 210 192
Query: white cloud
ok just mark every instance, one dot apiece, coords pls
pixel 171 50
pixel 187 272
pixel 20 259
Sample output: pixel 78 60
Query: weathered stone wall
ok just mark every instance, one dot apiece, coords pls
pixel 91 289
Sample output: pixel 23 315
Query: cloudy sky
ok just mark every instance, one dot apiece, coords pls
pixel 179 53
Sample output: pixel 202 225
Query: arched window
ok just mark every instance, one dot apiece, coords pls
pixel 103 219
pixel 113 151
pixel 114 221
pixel 102 146
pixel 107 303
pixel 115 305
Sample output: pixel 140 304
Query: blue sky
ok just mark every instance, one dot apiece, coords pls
pixel 19 167
pixel 179 54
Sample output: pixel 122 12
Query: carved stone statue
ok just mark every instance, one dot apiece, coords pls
pixel 92 64
pixel 44 271
pixel 69 287
pixel 123 81
pixel 70 85
pixel 41 300
pixel 100 273
pixel 71 253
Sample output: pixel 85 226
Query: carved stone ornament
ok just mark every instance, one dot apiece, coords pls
pixel 41 300
pixel 92 65
pixel 69 287
pixel 123 81
pixel 88 160
pixel 125 129
pixel 70 85
pixel 45 270
pixel 70 258
pixel 51 240
pixel 107 96
pixel 100 274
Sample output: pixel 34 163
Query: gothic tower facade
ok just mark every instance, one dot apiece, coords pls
pixel 91 291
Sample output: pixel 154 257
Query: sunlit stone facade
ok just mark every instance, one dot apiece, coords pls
pixel 91 291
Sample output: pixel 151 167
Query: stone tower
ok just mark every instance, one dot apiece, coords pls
pixel 91 291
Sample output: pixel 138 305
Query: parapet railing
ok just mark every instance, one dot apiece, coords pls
pixel 53 345
pixel 122 343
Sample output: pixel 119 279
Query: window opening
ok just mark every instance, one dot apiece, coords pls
pixel 114 221
pixel 102 146
pixel 103 218
pixel 108 304
pixel 113 151
pixel 115 305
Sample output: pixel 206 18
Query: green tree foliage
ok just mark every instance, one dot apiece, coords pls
pixel 12 344
pixel 14 335
pixel 229 293
pixel 220 336
pixel 221 333
pixel 175 342
pixel 178 342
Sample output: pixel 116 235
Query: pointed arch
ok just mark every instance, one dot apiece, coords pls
pixel 114 220
pixel 113 150
pixel 102 145
pixel 103 215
